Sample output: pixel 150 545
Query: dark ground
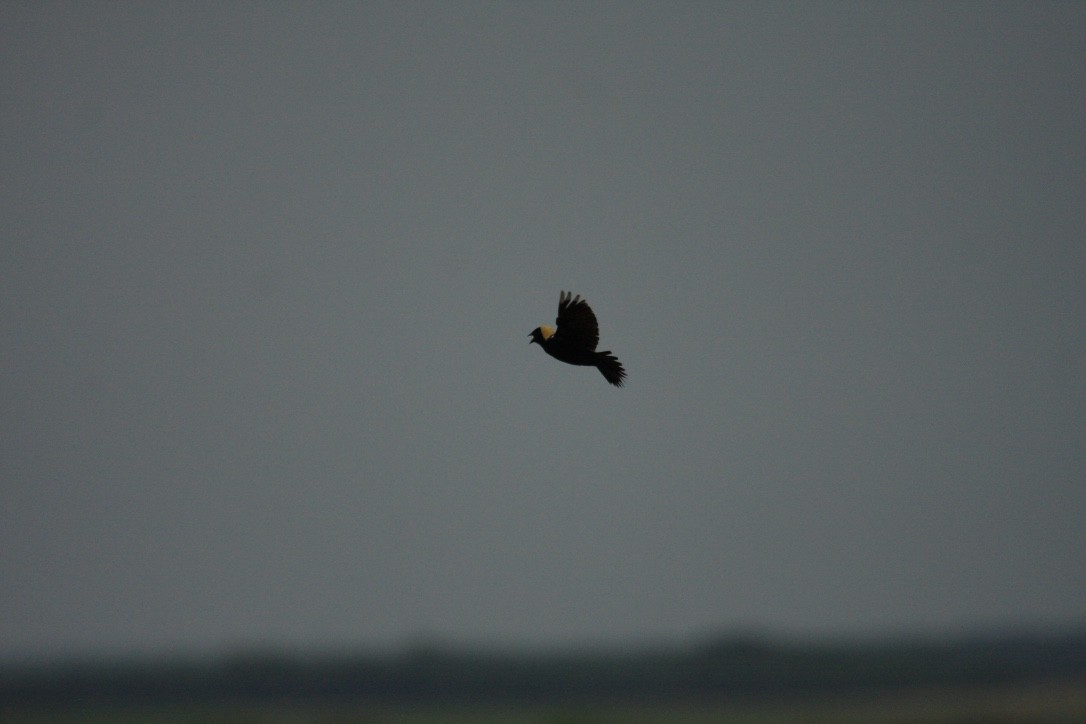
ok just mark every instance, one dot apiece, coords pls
pixel 1002 677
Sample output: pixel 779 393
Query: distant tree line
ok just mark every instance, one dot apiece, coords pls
pixel 728 667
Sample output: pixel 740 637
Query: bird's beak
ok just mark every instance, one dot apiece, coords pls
pixel 530 339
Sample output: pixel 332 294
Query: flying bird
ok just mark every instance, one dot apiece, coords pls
pixel 575 338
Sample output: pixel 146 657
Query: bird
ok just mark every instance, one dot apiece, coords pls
pixel 574 338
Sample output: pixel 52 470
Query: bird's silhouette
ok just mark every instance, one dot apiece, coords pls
pixel 575 337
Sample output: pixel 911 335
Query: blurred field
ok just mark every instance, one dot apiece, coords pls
pixel 1005 677
pixel 1050 703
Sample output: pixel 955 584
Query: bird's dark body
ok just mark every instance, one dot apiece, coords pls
pixel 571 356
pixel 575 339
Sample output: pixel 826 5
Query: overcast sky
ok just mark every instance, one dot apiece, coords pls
pixel 268 271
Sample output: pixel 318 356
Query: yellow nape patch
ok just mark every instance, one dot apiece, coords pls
pixel 546 331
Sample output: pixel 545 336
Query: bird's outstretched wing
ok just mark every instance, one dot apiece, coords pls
pixel 577 326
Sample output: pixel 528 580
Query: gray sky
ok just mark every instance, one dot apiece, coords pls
pixel 268 271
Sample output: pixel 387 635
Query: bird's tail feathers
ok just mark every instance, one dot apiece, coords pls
pixel 611 368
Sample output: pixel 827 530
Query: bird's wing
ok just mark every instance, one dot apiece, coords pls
pixel 577 326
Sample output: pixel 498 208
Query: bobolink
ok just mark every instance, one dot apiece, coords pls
pixel 575 339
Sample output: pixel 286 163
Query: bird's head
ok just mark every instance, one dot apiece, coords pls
pixel 540 335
